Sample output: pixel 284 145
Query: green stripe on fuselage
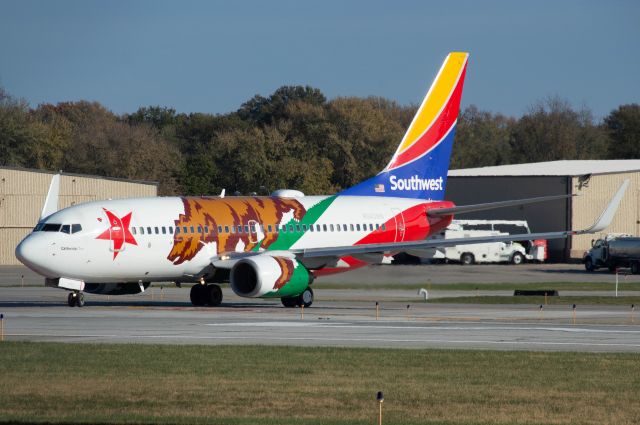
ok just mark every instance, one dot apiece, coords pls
pixel 286 240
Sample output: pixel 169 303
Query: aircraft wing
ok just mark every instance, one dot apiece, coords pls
pixel 228 260
pixel 601 223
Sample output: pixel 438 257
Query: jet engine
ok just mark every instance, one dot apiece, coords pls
pixel 266 276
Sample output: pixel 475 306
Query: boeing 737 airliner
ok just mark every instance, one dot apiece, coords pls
pixel 270 247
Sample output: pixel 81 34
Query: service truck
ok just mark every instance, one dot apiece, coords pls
pixel 614 251
pixel 492 252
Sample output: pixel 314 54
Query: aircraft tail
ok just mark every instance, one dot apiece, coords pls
pixel 418 169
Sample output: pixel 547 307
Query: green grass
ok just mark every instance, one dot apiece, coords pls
pixel 490 286
pixel 559 300
pixel 83 383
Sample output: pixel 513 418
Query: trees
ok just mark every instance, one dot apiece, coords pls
pixel 293 138
pixel 623 127
pixel 482 139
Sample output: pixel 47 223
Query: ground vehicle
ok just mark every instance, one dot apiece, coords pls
pixel 491 252
pixel 614 251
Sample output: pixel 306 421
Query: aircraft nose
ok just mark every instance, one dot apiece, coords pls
pixel 27 253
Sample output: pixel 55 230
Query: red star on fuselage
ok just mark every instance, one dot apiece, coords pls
pixel 118 232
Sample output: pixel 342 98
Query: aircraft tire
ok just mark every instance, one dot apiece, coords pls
pixel 80 300
pixel 289 301
pixel 198 295
pixel 214 295
pixel 71 299
pixel 306 298
pixel 635 268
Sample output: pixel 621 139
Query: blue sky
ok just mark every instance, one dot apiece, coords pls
pixel 210 56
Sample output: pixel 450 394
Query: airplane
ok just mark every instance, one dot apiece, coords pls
pixel 272 246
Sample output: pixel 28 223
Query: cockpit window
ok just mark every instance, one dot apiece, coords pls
pixel 66 229
pixel 75 228
pixel 51 227
pixel 38 227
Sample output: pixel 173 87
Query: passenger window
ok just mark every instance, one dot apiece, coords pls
pixel 219 229
pixel 177 230
pixel 298 228
pixel 170 230
pixel 283 229
pixel 370 226
pixel 199 229
pixel 269 228
pixel 157 231
pixel 66 229
pixel 337 227
pixel 311 227
pixel 239 229
pixel 184 229
pixel 226 229
pixel 291 228
pixel 358 227
pixel 233 229
pixel 191 229
pixel 246 229
pixel 324 227
pixel 331 227
pixel 133 230
pixel 206 229
pixel 351 226
pixel 304 227
pixel 164 230
pixel 141 230
pixel 75 228
pixel 384 227
pixel 377 226
pixel 148 230
pixel 318 228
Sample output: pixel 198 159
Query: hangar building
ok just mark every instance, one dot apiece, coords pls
pixel 595 181
pixel 22 195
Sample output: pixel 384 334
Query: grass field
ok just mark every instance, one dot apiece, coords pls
pixel 83 383
pixel 496 286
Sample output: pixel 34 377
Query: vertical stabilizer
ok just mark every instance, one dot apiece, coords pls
pixel 418 168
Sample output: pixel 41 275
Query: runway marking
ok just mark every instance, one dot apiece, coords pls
pixel 337 339
pixel 285 324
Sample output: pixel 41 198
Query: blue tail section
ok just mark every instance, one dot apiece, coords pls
pixel 419 167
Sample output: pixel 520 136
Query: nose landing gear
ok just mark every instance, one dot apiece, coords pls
pixel 75 299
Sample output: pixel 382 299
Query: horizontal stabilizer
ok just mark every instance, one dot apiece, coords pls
pixel 493 205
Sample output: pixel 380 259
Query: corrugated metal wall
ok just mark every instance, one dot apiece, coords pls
pixel 595 194
pixel 22 195
pixel 542 217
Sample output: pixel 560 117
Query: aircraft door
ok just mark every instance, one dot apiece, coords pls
pixel 400 225
pixel 254 231
pixel 116 235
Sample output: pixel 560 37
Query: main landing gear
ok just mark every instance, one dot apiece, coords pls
pixel 75 299
pixel 202 294
pixel 305 299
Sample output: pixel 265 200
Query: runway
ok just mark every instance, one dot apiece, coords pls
pixel 40 314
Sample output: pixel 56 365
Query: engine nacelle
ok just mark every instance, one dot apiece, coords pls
pixel 266 276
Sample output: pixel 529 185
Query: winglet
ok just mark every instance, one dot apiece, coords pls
pixel 607 215
pixel 51 203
